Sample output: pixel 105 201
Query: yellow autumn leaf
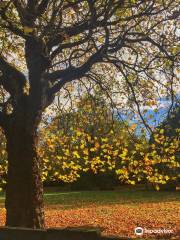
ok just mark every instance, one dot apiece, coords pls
pixel 104 139
pixel 97 145
pixel 85 151
pixel 157 187
pixel 78 133
pixel 28 30
pixel 76 154
pixel 82 146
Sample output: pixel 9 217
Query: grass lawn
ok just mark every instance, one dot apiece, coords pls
pixel 116 212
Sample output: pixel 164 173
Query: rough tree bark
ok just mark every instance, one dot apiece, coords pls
pixel 24 193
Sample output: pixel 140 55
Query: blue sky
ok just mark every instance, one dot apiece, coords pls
pixel 153 117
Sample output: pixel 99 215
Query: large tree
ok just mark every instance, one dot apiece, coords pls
pixel 47 43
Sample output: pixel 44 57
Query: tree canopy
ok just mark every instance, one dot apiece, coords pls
pixel 55 42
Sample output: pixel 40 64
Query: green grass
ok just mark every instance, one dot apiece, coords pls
pixel 76 199
pixel 124 196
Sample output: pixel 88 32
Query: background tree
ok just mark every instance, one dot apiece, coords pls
pixel 88 147
pixel 165 143
pixel 53 42
pixel 84 143
pixel 172 122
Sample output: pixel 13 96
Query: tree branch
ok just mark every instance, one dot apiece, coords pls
pixel 12 79
pixel 145 38
pixel 42 7
pixel 134 98
pixel 73 73
pixel 93 20
pixel 9 24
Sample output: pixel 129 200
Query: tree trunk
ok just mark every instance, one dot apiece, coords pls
pixel 24 194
